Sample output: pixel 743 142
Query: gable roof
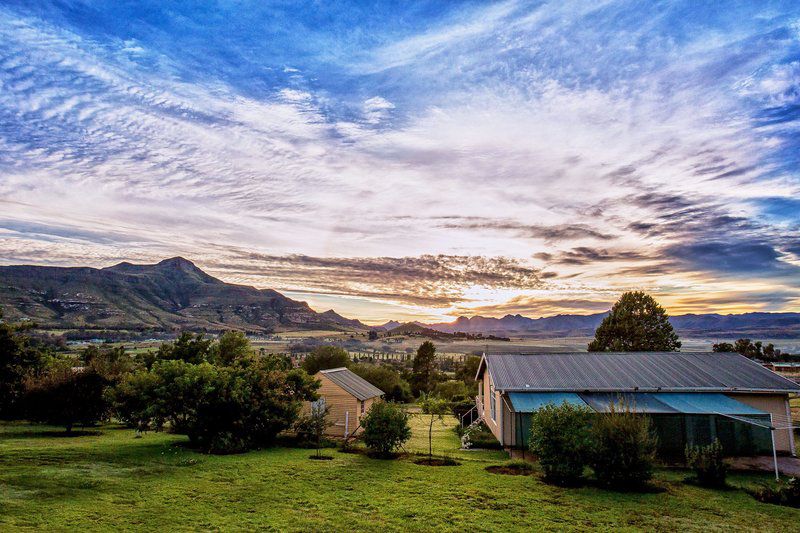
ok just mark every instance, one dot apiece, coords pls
pixel 632 371
pixel 352 383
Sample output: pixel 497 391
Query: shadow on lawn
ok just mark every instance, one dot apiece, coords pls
pixel 49 434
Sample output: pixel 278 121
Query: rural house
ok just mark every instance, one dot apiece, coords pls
pixel 349 397
pixel 692 398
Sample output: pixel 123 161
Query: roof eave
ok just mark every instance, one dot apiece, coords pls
pixel 650 389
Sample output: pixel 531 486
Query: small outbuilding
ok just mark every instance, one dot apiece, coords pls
pixel 349 397
pixel 691 398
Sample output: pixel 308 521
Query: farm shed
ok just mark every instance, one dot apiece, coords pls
pixel 348 395
pixel 692 398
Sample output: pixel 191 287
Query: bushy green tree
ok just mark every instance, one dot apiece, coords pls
pixel 435 408
pixel 231 346
pixel 138 400
pixel 561 440
pixel 623 447
pixel 386 378
pixel 423 370
pixel 451 389
pixel 187 347
pixel 466 372
pixel 66 396
pixel 637 323
pixel 221 409
pixel 750 349
pixel 111 363
pixel 20 358
pixel 385 428
pixel 324 358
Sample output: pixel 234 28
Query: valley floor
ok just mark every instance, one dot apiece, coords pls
pixel 113 481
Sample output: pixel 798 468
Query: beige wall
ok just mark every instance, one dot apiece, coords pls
pixel 487 413
pixel 505 419
pixel 344 407
pixel 775 404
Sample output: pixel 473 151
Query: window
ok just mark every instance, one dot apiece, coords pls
pixel 318 404
pixel 492 402
pixel 362 407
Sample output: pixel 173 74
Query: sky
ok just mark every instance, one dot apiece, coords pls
pixel 413 160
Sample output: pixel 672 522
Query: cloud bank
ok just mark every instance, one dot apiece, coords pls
pixel 438 159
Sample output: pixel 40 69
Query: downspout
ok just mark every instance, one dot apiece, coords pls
pixel 791 423
pixel 774 451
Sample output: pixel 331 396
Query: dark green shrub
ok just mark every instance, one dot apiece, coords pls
pixel 20 359
pixel 709 468
pixel 450 389
pixel 221 409
pixel 624 448
pixel 385 428
pixel 64 396
pixel 461 405
pixel 560 439
pixel 782 493
pixel 386 378
pixel 325 357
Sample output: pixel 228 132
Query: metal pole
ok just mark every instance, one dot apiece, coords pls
pixel 774 452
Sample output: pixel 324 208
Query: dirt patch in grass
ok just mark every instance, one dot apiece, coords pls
pixel 437 461
pixel 320 457
pixel 511 470
pixel 384 456
pixel 353 450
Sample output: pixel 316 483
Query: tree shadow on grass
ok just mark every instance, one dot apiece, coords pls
pixel 49 434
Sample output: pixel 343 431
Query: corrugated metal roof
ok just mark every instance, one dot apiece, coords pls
pixel 633 371
pixel 528 402
pixel 693 403
pixel 640 402
pixel 352 383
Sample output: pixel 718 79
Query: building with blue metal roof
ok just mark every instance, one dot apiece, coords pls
pixel 691 398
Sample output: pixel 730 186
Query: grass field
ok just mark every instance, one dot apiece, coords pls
pixel 113 481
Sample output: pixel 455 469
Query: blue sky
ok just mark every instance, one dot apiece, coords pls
pixel 413 159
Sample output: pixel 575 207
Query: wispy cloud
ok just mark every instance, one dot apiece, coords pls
pixel 431 156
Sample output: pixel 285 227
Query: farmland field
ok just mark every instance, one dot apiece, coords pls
pixel 113 481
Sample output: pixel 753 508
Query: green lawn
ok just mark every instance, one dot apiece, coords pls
pixel 114 481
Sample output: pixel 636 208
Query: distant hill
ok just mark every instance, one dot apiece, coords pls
pixel 170 295
pixel 414 329
pixel 387 326
pixel 762 325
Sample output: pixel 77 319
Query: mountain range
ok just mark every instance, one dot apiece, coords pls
pixel 758 324
pixel 171 295
pixel 175 294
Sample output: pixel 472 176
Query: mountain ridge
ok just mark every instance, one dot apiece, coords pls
pixel 175 294
pixel 756 323
pixel 169 295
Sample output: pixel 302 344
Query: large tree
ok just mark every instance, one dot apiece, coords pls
pixel 20 358
pixel 424 368
pixel 637 323
pixel 66 396
pixel 325 357
pixel 222 409
pixel 232 345
pixel 386 378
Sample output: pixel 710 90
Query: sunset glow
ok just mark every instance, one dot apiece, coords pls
pixel 413 161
